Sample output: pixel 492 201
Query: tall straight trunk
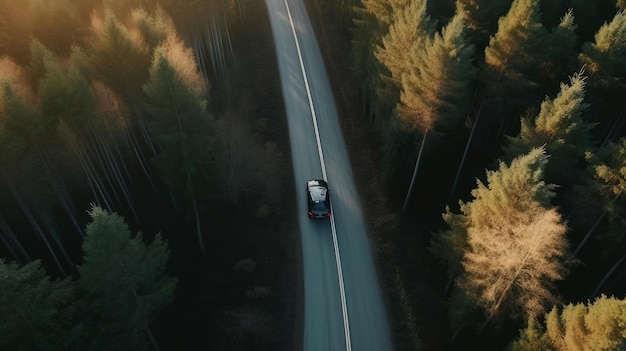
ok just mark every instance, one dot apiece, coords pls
pixel 467 146
pixel 198 226
pixel 417 164
pixel 595 225
pixel 606 277
pixel 9 239
pixel 33 222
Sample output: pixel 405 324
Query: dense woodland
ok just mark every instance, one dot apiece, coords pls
pixel 130 151
pixel 512 112
pixel 134 137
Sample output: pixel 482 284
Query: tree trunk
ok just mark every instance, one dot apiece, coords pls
pixel 417 163
pixel 606 277
pixel 467 145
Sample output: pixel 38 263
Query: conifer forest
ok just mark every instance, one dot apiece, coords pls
pixel 147 198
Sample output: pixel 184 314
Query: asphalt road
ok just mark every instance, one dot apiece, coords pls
pixel 344 308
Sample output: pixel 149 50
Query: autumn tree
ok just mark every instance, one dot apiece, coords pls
pixel 599 326
pixel 36 312
pixel 125 281
pixel 512 242
pixel 561 128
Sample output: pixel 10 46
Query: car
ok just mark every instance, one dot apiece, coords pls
pixel 318 198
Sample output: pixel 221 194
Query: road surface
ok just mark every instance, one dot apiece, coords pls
pixel 344 309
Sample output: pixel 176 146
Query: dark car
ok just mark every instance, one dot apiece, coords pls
pixel 318 198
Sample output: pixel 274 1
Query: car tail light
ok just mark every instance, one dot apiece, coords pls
pixel 311 214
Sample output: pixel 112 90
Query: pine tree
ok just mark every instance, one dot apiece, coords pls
pixel 179 121
pixel 411 28
pixel 481 16
pixel 515 242
pixel 559 127
pixel 125 280
pixel 181 126
pixel 119 55
pixel 560 46
pixel 595 326
pixel 435 80
pixel 515 53
pixel 36 312
pixel 435 89
pixel 605 59
pixel 608 166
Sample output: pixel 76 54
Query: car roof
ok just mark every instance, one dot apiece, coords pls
pixel 318 189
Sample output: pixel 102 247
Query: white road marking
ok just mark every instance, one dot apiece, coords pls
pixel 344 308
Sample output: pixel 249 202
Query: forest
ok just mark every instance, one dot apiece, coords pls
pixel 504 121
pixel 136 138
pixel 131 147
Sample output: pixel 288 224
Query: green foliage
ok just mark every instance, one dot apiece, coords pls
pixel 515 53
pixel 35 311
pixel 559 127
pixel 449 245
pixel 153 27
pixel 609 166
pixel 411 28
pixel 560 54
pixel 595 326
pixel 66 97
pixel 119 55
pixel 481 15
pixel 435 86
pixel 125 280
pixel 515 242
pixel 605 59
pixel 57 24
pixel 180 125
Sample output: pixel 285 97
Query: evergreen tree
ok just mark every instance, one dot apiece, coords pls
pixel 609 185
pixel 605 62
pixel 155 27
pixel 559 127
pixel 605 59
pixel 481 16
pixel 181 126
pixel 435 89
pixel 57 24
pixel 119 55
pixel 515 242
pixel 515 53
pixel 435 79
pixel 411 28
pixel 560 46
pixel 36 312
pixel 179 121
pixel 125 280
pixel 595 326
